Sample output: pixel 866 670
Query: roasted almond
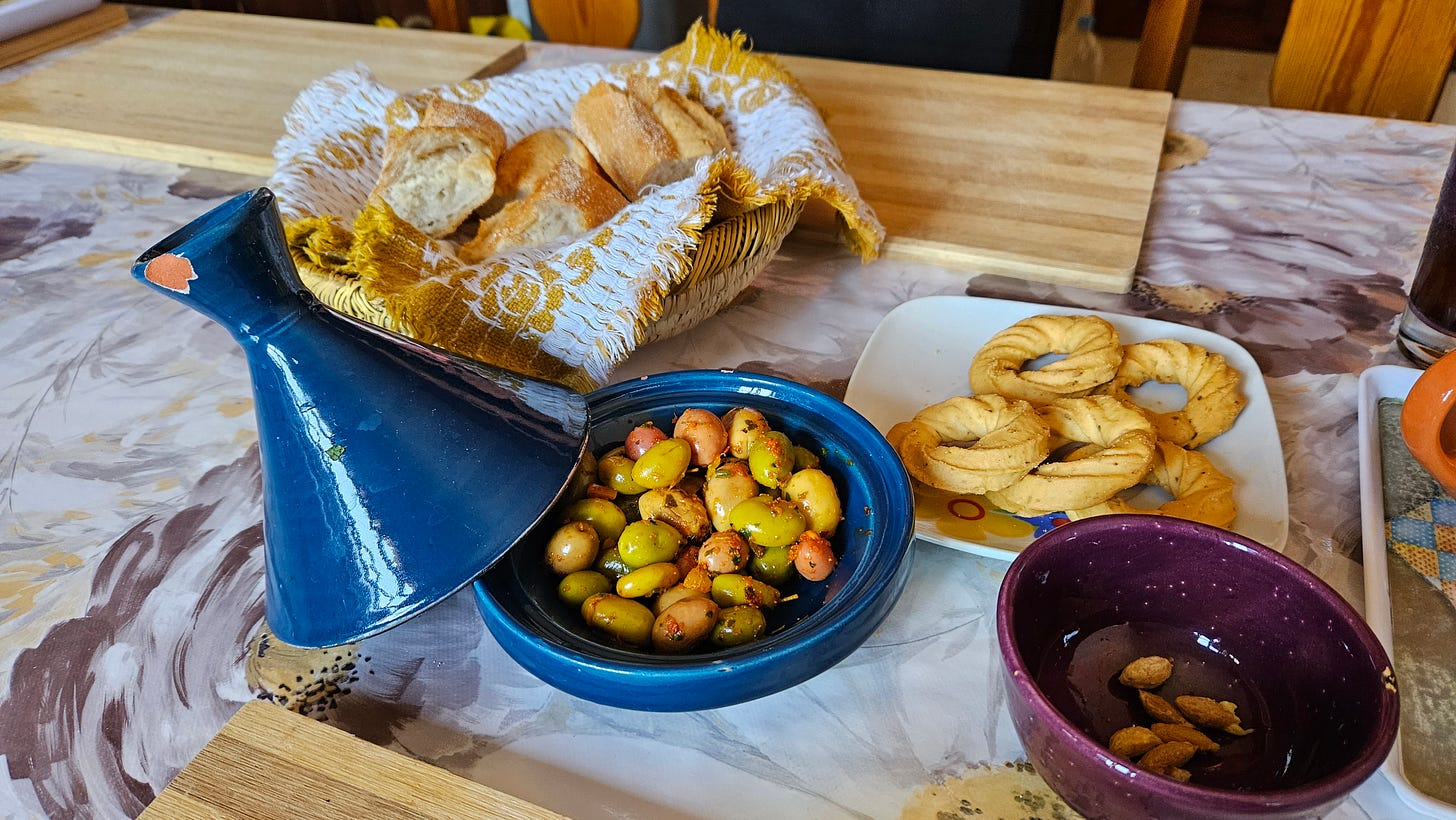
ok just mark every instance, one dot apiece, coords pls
pixel 1166 757
pixel 1146 673
pixel 1133 741
pixel 1181 731
pixel 1210 713
pixel 1160 709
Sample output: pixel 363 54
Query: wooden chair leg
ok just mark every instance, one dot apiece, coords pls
pixel 449 15
pixel 1163 51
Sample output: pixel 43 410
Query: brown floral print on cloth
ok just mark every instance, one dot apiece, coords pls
pixel 151 662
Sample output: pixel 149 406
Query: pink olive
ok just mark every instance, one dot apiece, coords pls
pixel 704 431
pixel 641 439
pixel 813 556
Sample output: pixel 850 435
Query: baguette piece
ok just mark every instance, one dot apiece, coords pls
pixel 437 173
pixel 647 134
pixel 525 165
pixel 551 188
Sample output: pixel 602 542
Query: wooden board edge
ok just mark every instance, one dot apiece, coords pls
pixel 180 154
pixel 500 65
pixel 975 262
pixel 262 731
pixel 1089 277
pixel 104 17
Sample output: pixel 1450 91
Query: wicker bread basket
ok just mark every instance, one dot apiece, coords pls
pixel 567 313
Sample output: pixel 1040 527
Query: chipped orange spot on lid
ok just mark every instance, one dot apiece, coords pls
pixel 172 272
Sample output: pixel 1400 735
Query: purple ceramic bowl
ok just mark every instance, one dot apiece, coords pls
pixel 1241 622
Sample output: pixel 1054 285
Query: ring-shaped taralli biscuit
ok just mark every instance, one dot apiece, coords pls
pixel 1212 384
pixel 1200 491
pixel 1126 441
pixel 1006 439
pixel 1092 347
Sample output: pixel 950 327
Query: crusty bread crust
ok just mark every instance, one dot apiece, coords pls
pixel 524 166
pixel 562 193
pixel 437 173
pixel 647 134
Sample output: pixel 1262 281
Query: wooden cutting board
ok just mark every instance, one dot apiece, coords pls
pixel 74 29
pixel 270 762
pixel 210 88
pixel 1025 178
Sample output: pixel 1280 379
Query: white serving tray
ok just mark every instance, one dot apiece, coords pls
pixel 1376 383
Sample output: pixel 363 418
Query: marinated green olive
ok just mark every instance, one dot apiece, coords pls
pixel 744 425
pixel 771 459
pixel 664 465
pixel 575 588
pixel 813 493
pixel 684 512
pixel 572 547
pixel 739 590
pixel 648 542
pixel 649 580
pixel 628 621
pixel 768 521
pixel 604 516
pixel 685 540
pixel 684 625
pixel 804 459
pixel 738 625
pixel 615 471
pixel 610 564
pixel 773 566
pixel 729 484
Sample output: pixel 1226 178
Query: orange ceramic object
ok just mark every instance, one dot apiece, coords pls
pixel 1423 421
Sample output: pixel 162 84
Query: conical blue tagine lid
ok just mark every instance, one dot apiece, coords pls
pixel 393 473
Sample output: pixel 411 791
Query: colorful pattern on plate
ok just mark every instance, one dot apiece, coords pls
pixel 973 518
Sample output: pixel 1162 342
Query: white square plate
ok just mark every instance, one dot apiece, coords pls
pixel 920 355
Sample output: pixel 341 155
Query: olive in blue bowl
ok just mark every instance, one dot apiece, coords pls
pixel 816 626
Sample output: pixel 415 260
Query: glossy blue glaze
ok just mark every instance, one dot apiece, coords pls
pixel 825 623
pixel 393 473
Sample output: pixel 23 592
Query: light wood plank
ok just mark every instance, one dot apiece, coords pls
pixel 211 88
pixel 1380 58
pixel 1024 178
pixel 31 44
pixel 269 762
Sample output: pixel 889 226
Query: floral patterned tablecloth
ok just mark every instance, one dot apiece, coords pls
pixel 131 571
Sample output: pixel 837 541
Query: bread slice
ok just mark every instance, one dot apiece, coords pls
pixel 524 166
pixel 437 173
pixel 646 134
pixel 565 194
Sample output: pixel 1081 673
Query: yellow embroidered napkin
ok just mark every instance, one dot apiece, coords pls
pixel 568 312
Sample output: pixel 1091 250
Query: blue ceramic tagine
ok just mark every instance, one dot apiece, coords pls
pixel 393 473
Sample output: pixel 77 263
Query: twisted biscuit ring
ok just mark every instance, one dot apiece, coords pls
pixel 1126 441
pixel 1092 350
pixel 1214 398
pixel 1200 492
pixel 1007 438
